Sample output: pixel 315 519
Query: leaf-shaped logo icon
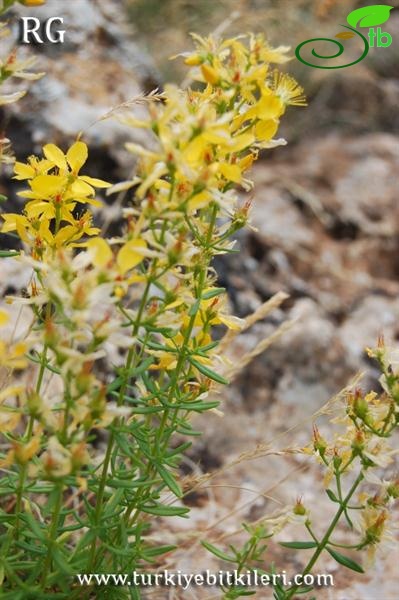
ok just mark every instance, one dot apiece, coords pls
pixel 345 35
pixel 369 16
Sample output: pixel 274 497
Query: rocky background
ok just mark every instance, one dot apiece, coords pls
pixel 325 231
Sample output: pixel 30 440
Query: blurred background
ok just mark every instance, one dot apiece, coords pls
pixel 325 231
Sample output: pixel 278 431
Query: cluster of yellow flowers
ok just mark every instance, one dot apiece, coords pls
pixel 56 188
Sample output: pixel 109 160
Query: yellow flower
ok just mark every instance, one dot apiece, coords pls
pixel 13 356
pixel 72 162
pixel 4 317
pixel 288 90
pixel 32 2
pixel 9 415
pixel 32 168
pixel 100 250
pixel 131 254
pixel 33 231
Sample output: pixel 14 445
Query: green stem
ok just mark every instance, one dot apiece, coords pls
pixel 325 540
pixel 172 392
pixel 339 490
pixel 111 439
pixel 53 533
pixel 27 438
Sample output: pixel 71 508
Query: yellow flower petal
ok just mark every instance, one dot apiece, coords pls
pixel 77 156
pixel 19 349
pixel 231 172
pixel 193 60
pixel 56 156
pixel 199 200
pixel 130 255
pixel 10 222
pixel 266 130
pixel 210 74
pixel 101 252
pixel 194 150
pixel 246 162
pixel 99 183
pixel 217 136
pixel 23 171
pixel 240 142
pixel 232 322
pixel 269 107
pixel 48 185
pixel 4 317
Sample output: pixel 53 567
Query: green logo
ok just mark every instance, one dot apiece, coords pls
pixel 370 17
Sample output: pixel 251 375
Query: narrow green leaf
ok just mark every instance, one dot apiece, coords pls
pixel 208 372
pixel 204 349
pixel 157 346
pixel 115 384
pixel 121 551
pixel 34 526
pixel 170 481
pixel 160 510
pixel 159 550
pixel 61 562
pixel 31 548
pixel 8 253
pixel 213 293
pixel 167 332
pixel 299 545
pixel 143 366
pixel 219 553
pixel 179 450
pixel 332 496
pixel 189 431
pixel 86 540
pixel 127 483
pixel 345 561
pixel 305 590
pixel 194 308
pixel 198 406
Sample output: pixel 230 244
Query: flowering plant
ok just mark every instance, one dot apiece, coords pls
pixel 90 458
pixel 358 482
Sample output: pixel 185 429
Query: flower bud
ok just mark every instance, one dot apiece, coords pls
pixel 319 443
pixel 193 60
pixel 360 407
pixel 374 532
pixel 393 489
pixel 299 508
pixel 84 378
pixel 79 456
pixel 50 333
pixel 358 443
pixel 24 452
pixel 34 403
pixel 337 460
